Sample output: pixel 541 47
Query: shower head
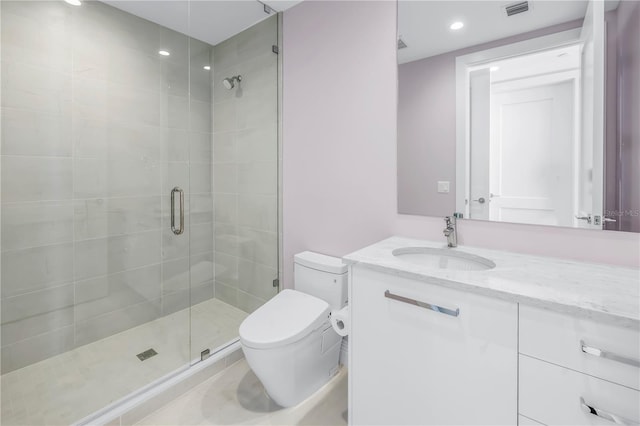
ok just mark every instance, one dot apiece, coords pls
pixel 229 82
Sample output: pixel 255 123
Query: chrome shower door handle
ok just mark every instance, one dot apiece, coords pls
pixel 175 230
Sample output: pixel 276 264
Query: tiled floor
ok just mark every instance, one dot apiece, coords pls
pixel 70 386
pixel 236 397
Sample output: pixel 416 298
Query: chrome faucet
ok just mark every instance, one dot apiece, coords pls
pixel 450 231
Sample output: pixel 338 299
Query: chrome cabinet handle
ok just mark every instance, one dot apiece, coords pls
pixel 608 355
pixel 175 230
pixel 480 200
pixel 447 311
pixel 589 409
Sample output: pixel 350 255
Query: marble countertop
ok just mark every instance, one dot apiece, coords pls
pixel 601 292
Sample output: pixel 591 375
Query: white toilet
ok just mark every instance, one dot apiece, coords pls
pixel 289 342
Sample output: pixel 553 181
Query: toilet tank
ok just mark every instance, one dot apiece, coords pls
pixel 324 277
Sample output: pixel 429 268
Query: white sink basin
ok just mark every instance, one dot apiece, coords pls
pixel 443 259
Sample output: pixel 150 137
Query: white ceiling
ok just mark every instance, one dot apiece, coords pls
pixel 424 25
pixel 211 21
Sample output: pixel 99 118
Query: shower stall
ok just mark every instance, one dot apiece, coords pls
pixel 139 203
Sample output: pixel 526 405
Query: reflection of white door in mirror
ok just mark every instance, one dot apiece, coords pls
pixel 532 151
pixel 523 132
pixel 591 203
pixel 479 123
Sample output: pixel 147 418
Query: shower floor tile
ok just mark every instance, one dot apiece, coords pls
pixel 235 396
pixel 65 388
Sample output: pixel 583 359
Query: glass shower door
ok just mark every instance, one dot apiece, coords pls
pixel 95 284
pixel 139 199
pixel 237 173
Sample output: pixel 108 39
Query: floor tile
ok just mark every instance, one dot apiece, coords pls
pixel 65 388
pixel 236 397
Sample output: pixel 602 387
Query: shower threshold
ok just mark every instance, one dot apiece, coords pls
pixel 68 387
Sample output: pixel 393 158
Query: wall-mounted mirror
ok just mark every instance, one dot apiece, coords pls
pixel 523 112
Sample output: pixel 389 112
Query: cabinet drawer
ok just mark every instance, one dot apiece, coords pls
pixel 605 351
pixel 554 395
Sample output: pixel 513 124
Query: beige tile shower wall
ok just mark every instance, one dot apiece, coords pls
pixel 246 167
pixel 96 130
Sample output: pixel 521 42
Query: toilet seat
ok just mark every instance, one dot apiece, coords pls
pixel 287 318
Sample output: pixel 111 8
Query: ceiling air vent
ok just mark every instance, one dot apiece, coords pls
pixel 401 44
pixel 515 8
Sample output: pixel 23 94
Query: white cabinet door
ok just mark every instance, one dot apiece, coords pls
pixel 413 365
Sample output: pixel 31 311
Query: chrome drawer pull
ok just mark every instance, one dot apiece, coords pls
pixel 436 308
pixel 606 415
pixel 608 355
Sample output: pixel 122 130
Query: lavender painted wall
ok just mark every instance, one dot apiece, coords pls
pixel 427 126
pixel 611 247
pixel 339 168
pixel 339 126
pixel 426 135
pixel 629 89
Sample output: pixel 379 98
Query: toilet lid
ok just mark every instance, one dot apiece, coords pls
pixel 286 318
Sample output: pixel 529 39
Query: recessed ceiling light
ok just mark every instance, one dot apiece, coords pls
pixel 163 53
pixel 456 25
pixel 207 67
pixel 74 2
pixel 495 68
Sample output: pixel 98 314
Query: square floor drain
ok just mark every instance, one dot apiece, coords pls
pixel 143 356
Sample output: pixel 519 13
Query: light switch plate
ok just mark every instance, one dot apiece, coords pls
pixel 443 186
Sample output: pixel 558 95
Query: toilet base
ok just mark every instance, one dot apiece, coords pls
pixel 292 373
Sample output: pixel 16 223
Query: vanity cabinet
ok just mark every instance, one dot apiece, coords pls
pixel 425 353
pixel 450 357
pixel 528 341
